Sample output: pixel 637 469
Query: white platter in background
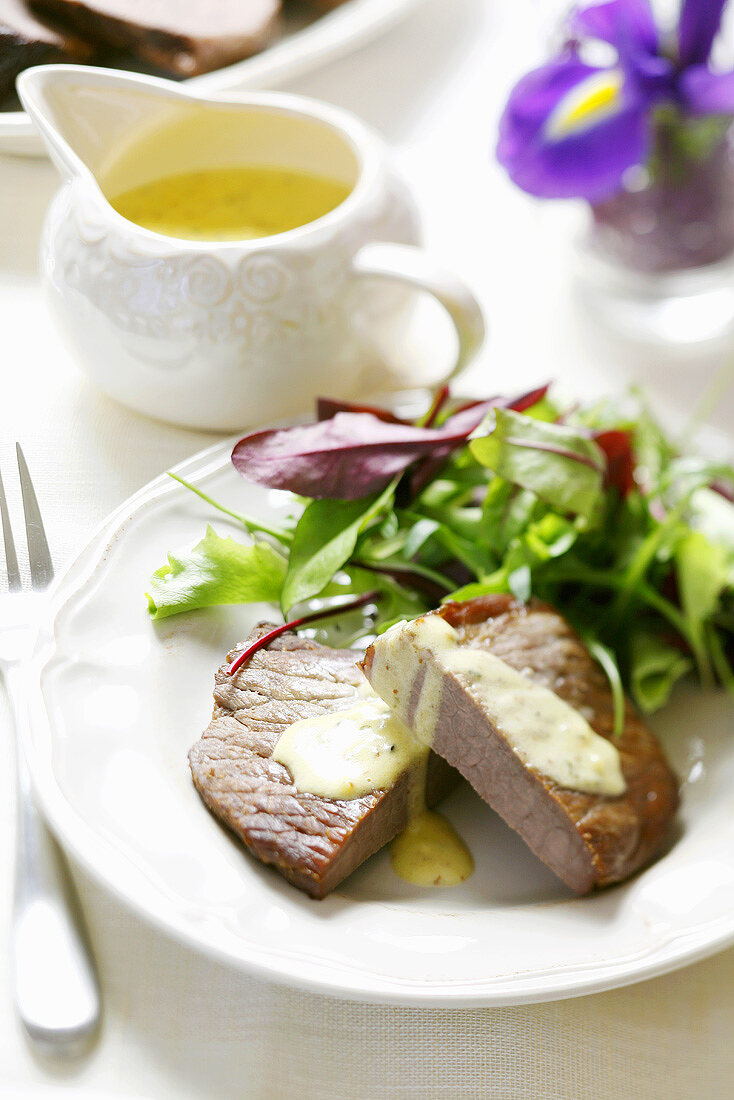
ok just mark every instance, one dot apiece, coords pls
pixel 122 699
pixel 298 50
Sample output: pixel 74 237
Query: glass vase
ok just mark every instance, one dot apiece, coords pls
pixel 657 259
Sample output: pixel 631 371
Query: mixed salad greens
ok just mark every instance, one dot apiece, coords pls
pixel 592 508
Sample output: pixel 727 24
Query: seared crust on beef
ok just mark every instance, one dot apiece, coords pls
pixel 182 38
pixel 587 840
pixel 313 842
pixel 26 40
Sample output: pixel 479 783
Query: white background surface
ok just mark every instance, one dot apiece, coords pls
pixel 176 1025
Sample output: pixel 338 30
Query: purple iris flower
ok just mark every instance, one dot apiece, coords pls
pixel 572 129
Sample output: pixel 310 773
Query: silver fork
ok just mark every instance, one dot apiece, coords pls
pixel 55 984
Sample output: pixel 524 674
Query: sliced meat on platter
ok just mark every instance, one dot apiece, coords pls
pixel 428 672
pixel 314 842
pixel 26 40
pixel 180 38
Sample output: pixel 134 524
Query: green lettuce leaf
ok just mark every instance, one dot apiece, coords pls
pixel 520 582
pixel 703 574
pixel 495 508
pixel 713 515
pixel 550 537
pixel 495 582
pixel 655 668
pixel 521 509
pixel 418 535
pixel 608 661
pixel 685 475
pixel 324 540
pixel 217 571
pixel 557 463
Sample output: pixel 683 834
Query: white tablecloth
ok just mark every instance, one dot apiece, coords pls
pixel 177 1026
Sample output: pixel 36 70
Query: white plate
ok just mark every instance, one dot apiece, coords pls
pixel 121 701
pixel 300 49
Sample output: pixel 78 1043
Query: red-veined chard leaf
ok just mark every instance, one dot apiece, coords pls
pixel 472 413
pixel 557 463
pixel 617 447
pixel 304 620
pixel 354 453
pixel 436 406
pixel 346 457
pixel 328 407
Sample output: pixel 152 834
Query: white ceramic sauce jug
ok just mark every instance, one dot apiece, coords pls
pixel 221 335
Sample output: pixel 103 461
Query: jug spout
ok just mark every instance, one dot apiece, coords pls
pixel 83 114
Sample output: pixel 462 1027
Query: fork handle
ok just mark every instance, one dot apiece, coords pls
pixel 55 983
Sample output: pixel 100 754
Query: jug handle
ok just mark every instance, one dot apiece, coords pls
pixel 412 266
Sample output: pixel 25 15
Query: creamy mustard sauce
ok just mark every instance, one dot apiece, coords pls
pixel 399 661
pixel 544 731
pixel 349 753
pixel 366 748
pixel 431 853
pixel 230 204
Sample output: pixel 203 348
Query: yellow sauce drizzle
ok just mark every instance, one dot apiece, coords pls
pixel 541 728
pixel 431 853
pixel 350 753
pixel 230 204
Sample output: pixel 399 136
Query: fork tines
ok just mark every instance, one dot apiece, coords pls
pixel 11 558
pixel 41 566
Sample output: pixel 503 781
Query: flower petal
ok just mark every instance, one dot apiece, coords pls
pixel 697 27
pixel 623 23
pixel 707 93
pixel 570 130
pixel 629 26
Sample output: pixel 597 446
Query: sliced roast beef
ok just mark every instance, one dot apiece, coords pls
pixel 26 40
pixel 181 38
pixel 314 842
pixel 588 840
